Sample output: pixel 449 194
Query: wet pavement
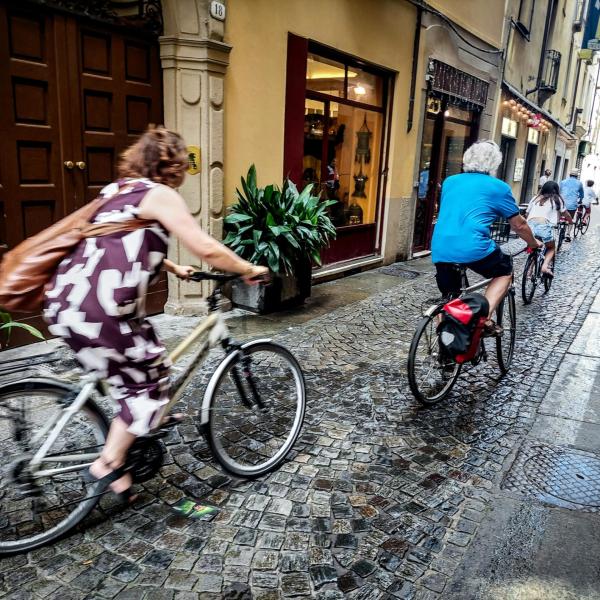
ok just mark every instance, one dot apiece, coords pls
pixel 381 498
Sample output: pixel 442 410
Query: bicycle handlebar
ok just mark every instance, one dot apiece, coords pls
pixel 219 277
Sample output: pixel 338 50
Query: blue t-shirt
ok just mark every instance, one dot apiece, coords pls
pixel 571 190
pixel 470 203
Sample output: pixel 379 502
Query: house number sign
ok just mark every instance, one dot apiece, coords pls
pixel 217 10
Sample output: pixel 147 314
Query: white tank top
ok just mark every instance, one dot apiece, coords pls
pixel 547 212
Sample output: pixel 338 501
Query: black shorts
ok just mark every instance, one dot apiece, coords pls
pixel 495 264
pixel 572 213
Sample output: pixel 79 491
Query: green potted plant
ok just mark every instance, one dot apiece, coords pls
pixel 7 324
pixel 282 229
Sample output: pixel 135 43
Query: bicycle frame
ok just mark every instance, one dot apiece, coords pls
pixel 212 331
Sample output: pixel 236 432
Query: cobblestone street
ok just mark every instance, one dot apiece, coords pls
pixel 381 498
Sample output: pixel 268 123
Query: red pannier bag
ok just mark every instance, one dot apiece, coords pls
pixel 461 326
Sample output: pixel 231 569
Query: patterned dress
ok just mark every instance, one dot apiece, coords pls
pixel 95 302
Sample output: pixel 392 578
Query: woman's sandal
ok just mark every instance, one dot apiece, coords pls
pixel 169 421
pixel 102 484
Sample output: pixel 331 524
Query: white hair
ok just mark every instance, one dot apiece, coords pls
pixel 482 157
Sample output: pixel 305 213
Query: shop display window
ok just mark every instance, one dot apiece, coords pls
pixel 343 123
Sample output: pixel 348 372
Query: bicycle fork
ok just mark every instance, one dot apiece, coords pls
pixel 247 376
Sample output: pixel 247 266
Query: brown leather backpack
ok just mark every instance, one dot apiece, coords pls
pixel 27 268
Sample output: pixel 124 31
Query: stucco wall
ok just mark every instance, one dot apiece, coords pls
pixel 381 33
pixel 482 18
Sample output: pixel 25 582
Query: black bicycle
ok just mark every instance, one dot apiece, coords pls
pixel 533 275
pixel 431 374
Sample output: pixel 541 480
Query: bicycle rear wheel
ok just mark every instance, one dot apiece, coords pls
pixel 257 401
pixel 548 280
pixel 506 317
pixel 585 223
pixel 561 237
pixel 529 279
pixel 37 508
pixel 430 376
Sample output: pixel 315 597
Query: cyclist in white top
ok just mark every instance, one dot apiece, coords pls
pixel 589 196
pixel 543 213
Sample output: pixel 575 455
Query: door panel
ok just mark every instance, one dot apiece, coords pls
pixel 31 146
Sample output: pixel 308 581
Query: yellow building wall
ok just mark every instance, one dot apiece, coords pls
pixel 483 18
pixel 380 32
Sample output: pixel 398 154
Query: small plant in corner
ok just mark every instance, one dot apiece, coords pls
pixel 8 325
pixel 278 228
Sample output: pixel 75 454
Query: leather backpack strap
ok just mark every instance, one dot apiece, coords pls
pixel 100 229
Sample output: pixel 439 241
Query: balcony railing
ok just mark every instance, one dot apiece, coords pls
pixel 549 81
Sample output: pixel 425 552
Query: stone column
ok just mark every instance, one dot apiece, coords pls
pixel 194 60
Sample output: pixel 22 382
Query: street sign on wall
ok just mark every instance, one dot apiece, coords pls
pixel 519 167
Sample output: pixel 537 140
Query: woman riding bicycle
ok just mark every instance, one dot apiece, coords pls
pixel 95 301
pixel 543 213
pixel 471 202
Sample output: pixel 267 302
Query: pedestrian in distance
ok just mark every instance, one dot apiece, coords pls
pixel 543 213
pixel 571 190
pixel 95 301
pixel 545 177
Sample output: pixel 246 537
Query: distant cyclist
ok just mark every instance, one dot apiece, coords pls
pixel 543 213
pixel 471 201
pixel 589 196
pixel 572 192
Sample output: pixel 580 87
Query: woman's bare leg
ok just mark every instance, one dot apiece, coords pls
pixel 113 455
pixel 548 258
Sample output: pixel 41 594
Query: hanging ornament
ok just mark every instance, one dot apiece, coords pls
pixel 363 143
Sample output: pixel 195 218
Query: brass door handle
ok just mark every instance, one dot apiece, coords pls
pixel 69 164
pixel 80 165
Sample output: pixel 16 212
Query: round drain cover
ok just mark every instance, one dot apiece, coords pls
pixel 565 474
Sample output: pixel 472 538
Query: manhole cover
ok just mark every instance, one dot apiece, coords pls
pixel 565 475
pixel 556 475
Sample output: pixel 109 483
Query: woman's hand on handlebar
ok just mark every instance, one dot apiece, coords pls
pixel 255 275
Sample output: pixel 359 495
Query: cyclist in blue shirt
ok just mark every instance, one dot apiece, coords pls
pixel 571 189
pixel 471 201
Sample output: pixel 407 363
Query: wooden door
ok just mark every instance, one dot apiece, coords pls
pixel 118 90
pixel 34 185
pixel 73 96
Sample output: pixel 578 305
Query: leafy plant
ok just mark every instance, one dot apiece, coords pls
pixel 8 325
pixel 278 228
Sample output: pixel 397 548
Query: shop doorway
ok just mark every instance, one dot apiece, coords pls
pixel 529 172
pixel 74 93
pixel 507 168
pixel 448 131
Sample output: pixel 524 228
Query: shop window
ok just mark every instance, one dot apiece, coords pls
pixel 325 76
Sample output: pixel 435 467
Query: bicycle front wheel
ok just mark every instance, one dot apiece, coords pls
pixel 506 317
pixel 431 376
pixel 37 506
pixel 257 401
pixel 529 280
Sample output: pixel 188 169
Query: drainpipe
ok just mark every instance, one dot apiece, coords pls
pixel 573 114
pixel 544 47
pixel 415 65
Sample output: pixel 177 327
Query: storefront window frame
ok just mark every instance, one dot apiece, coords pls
pixel 384 109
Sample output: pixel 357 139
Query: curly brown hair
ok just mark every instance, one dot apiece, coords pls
pixel 159 154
